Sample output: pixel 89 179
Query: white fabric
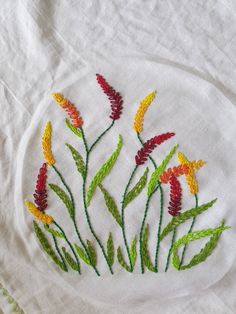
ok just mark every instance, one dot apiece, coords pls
pixel 185 50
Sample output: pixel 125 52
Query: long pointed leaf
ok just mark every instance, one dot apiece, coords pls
pixel 153 182
pixel 78 160
pixel 92 252
pixel 205 252
pixel 110 250
pixel 82 254
pixel 64 197
pixel 146 258
pixel 133 251
pixel 181 218
pixel 56 233
pixel 103 171
pixel 121 260
pixel 46 246
pixel 137 189
pixel 70 259
pixel 73 129
pixel 111 204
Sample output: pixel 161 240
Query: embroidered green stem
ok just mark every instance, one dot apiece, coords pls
pixel 59 252
pixel 169 253
pixel 74 220
pixel 68 242
pixel 123 217
pixel 190 230
pixel 85 203
pixel 101 135
pixel 142 227
pixel 161 209
pixel 159 227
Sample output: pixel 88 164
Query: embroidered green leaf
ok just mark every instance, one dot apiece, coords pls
pixel 73 129
pixel 204 252
pixel 56 233
pixel 92 252
pixel 70 259
pixel 133 251
pixel 78 160
pixel 181 218
pixel 111 204
pixel 103 171
pixel 82 254
pixel 137 189
pixel 64 197
pixel 121 260
pixel 146 258
pixel 46 246
pixel 153 182
pixel 110 250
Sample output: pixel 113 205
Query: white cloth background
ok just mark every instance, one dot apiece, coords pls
pixel 185 49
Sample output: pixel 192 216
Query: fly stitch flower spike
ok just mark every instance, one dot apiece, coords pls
pixel 114 97
pixel 40 195
pixel 143 106
pixel 175 196
pixel 46 144
pixel 149 146
pixel 70 108
pixel 39 215
pixel 190 176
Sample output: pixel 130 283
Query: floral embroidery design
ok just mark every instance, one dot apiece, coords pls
pixel 86 252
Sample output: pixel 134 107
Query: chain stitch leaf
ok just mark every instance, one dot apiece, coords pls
pixel 204 252
pixel 64 197
pixel 92 252
pixel 153 182
pixel 71 262
pixel 82 254
pixel 111 204
pixel 146 258
pixel 46 246
pixel 181 218
pixel 78 160
pixel 73 129
pixel 56 233
pixel 110 249
pixel 121 259
pixel 137 189
pixel 103 171
pixel 133 251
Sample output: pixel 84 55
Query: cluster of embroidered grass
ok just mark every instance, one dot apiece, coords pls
pixel 67 255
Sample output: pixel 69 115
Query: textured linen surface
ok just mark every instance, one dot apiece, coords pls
pixel 185 50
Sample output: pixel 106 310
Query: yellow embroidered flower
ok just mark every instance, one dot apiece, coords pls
pixel 143 106
pixel 59 98
pixel 46 219
pixel 190 176
pixel 46 144
pixel 197 164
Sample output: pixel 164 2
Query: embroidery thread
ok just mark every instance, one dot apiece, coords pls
pixel 54 241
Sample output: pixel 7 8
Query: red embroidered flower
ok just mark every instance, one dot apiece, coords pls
pixel 40 195
pixel 175 196
pixel 114 97
pixel 149 146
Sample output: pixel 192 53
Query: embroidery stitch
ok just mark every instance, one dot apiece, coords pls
pixel 87 251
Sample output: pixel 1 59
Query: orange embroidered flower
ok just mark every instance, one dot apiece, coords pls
pixel 70 108
pixel 176 171
pixel 39 215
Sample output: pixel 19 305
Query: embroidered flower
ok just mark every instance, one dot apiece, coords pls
pixel 139 116
pixel 190 176
pixel 39 215
pixel 46 144
pixel 114 97
pixel 70 109
pixel 180 170
pixel 149 146
pixel 175 196
pixel 40 195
